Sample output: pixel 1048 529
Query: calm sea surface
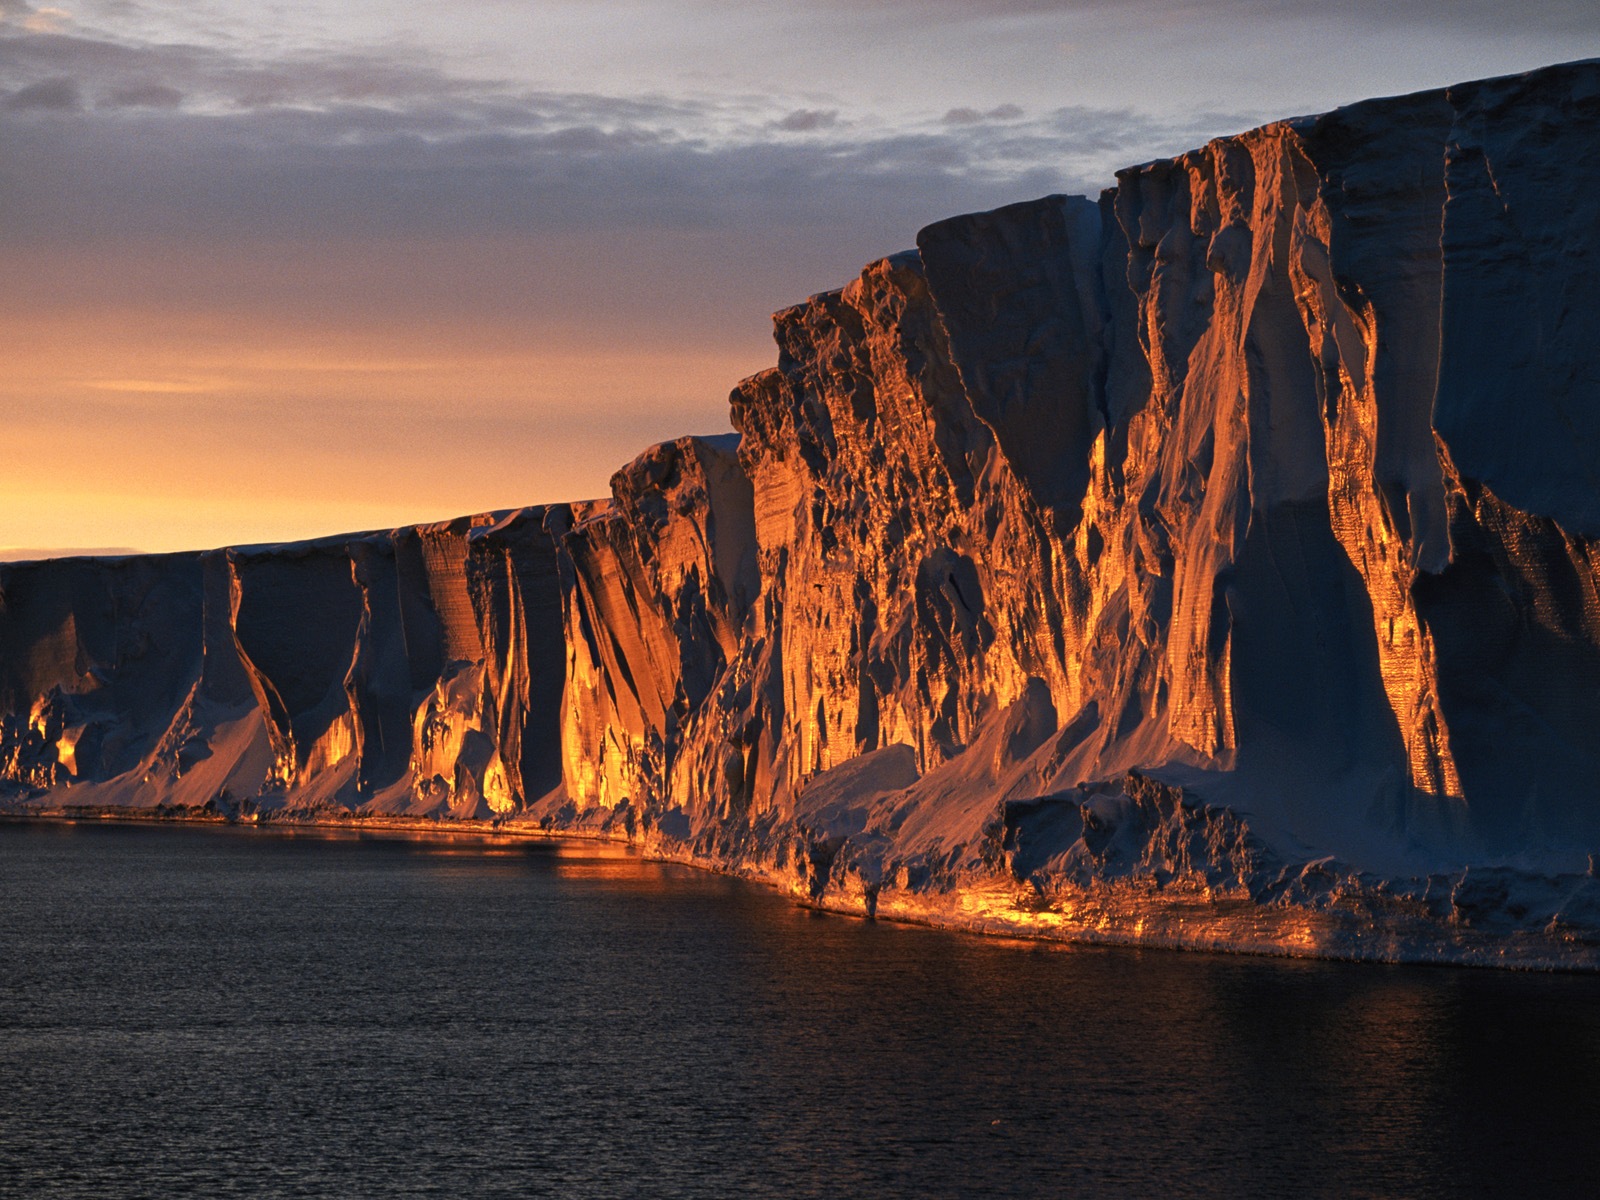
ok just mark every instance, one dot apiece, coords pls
pixel 213 1012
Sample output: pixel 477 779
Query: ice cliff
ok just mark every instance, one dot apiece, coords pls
pixel 416 672
pixel 1214 564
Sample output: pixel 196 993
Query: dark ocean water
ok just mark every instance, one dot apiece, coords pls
pixel 211 1012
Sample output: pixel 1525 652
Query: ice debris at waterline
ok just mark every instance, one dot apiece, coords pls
pixel 1212 565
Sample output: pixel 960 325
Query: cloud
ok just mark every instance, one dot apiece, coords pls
pixel 1552 15
pixel 189 142
pixel 558 163
pixel 143 95
pixel 47 20
pixel 51 95
pixel 808 120
pixel 35 20
pixel 971 116
pixel 449 216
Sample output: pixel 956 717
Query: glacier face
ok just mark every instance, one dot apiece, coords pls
pixel 414 672
pixel 1211 565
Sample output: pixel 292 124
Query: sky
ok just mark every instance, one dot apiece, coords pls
pixel 277 270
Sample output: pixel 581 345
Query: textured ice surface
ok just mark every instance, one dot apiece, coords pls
pixel 1211 565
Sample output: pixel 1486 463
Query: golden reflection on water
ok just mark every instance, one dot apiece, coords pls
pixel 635 872
pixel 718 1026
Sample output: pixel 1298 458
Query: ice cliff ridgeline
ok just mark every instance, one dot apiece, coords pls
pixel 1215 564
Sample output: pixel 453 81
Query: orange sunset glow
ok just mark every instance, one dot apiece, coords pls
pixel 230 434
pixel 259 283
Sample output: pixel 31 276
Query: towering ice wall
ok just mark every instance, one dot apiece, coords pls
pixel 412 672
pixel 1227 546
